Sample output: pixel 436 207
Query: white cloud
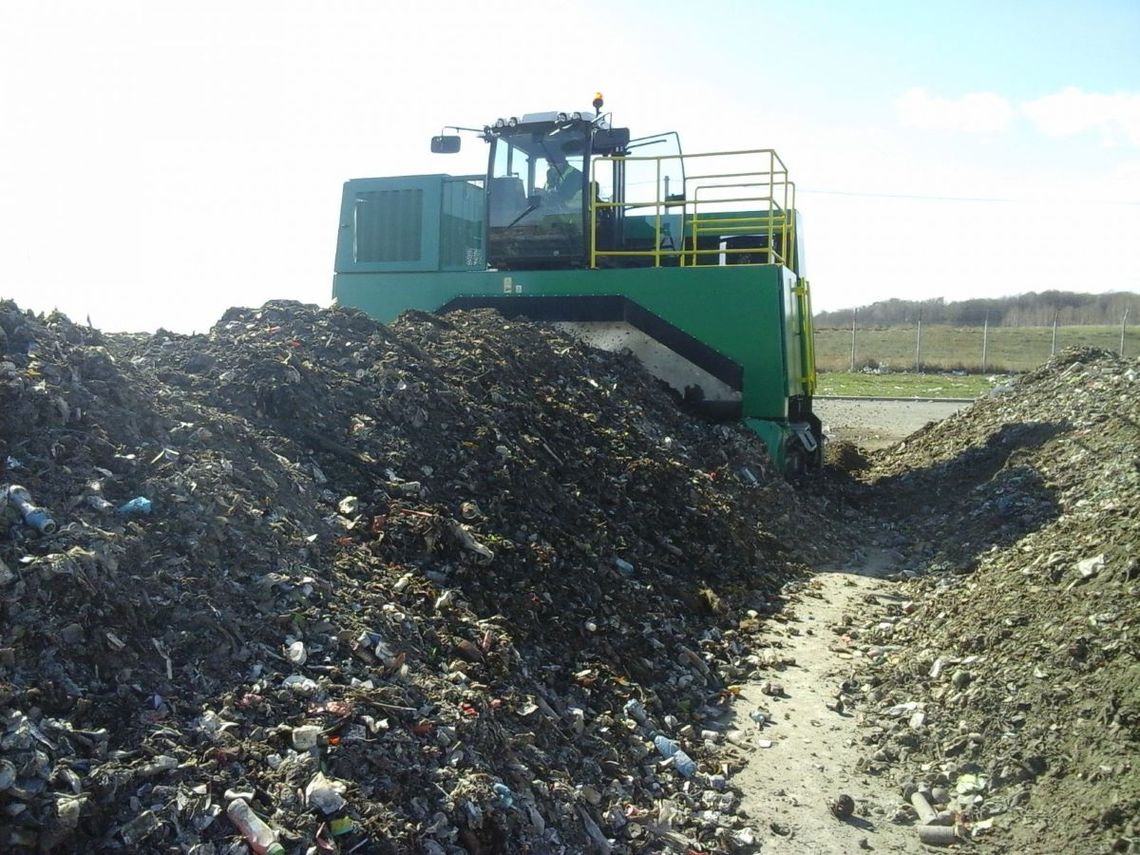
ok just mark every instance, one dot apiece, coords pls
pixel 974 112
pixel 1073 111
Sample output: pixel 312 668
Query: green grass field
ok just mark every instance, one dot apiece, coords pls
pixel 893 385
pixel 1009 349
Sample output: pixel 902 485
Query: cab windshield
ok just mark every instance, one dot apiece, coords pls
pixel 536 212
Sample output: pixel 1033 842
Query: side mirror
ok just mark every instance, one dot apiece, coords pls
pixel 610 140
pixel 445 145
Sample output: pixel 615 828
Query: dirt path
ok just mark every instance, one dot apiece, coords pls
pixel 806 756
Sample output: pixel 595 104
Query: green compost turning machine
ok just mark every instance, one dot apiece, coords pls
pixel 692 261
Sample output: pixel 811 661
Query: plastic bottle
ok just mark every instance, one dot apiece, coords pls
pixel 34 517
pixel 261 838
pixel 682 762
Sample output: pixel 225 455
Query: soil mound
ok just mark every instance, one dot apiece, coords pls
pixel 845 456
pixel 428 587
pixel 1008 690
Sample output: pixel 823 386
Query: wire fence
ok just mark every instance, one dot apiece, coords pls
pixel 985 349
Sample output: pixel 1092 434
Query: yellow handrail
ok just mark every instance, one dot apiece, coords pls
pixel 803 292
pixel 761 182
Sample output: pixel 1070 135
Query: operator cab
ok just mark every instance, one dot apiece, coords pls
pixel 536 192
pixel 539 189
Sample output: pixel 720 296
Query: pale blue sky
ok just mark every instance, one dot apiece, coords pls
pixel 162 161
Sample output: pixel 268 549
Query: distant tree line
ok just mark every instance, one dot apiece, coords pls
pixel 1024 310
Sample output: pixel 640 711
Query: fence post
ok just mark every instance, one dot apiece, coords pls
pixel 854 315
pixel 985 340
pixel 918 345
pixel 1123 326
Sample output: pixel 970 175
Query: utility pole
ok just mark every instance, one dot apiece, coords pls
pixel 1053 348
pixel 1123 326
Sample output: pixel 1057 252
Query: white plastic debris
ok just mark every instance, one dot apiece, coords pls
pixel 296 653
pixel 306 736
pixel 324 793
pixel 300 685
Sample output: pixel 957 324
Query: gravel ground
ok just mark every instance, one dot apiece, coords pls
pixel 874 424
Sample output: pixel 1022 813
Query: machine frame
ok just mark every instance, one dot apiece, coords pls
pixel 694 261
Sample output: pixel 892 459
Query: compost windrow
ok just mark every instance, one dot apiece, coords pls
pixel 414 574
pixel 1002 682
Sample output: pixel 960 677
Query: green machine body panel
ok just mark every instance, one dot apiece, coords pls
pixel 562 229
pixel 411 223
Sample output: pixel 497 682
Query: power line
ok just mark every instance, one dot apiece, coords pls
pixel 934 198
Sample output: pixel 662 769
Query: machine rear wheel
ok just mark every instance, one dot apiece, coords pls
pixel 795 459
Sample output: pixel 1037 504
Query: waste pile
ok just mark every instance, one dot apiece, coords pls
pixel 1004 694
pixel 308 583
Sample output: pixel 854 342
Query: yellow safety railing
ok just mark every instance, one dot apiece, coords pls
pixel 807 355
pixel 744 194
pixel 662 223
